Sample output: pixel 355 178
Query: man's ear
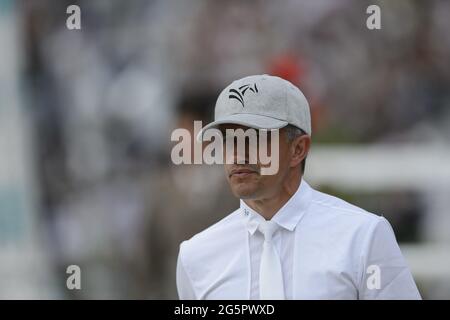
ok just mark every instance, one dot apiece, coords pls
pixel 299 149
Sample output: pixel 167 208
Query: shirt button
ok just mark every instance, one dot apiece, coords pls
pixel 246 212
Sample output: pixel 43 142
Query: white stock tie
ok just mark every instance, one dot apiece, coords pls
pixel 270 273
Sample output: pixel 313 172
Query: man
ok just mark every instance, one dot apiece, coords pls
pixel 287 241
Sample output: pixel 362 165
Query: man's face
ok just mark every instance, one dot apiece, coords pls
pixel 246 180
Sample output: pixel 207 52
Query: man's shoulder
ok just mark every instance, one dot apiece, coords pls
pixel 337 222
pixel 332 207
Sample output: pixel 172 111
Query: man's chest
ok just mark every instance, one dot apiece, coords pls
pixel 313 269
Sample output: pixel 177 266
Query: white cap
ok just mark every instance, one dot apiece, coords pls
pixel 261 102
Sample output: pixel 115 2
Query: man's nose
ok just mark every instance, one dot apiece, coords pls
pixel 238 156
pixel 242 155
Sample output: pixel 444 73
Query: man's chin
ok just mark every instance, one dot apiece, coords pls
pixel 244 192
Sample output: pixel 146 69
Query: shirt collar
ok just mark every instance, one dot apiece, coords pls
pixel 287 217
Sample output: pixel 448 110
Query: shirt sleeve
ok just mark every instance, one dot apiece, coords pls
pixel 184 285
pixel 385 274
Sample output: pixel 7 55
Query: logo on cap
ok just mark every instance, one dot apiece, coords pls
pixel 239 94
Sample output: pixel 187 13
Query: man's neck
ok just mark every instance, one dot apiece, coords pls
pixel 268 207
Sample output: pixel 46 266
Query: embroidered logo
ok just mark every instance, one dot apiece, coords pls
pixel 239 94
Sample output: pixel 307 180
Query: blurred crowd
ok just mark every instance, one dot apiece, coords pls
pixel 104 100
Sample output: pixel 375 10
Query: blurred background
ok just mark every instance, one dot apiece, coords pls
pixel 86 116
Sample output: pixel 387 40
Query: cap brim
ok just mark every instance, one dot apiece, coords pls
pixel 249 120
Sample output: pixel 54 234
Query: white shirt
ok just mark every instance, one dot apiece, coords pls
pixel 329 249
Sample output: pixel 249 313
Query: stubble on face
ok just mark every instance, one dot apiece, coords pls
pixel 244 180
